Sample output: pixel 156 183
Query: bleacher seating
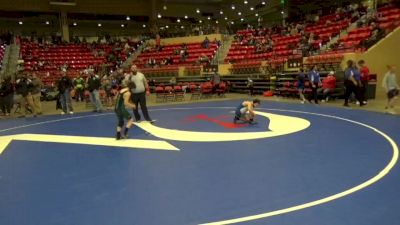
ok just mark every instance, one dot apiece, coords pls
pixel 2 50
pixel 194 50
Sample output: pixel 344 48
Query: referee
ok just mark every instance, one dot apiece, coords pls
pixel 139 93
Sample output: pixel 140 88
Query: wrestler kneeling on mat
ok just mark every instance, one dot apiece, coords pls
pixel 245 111
pixel 123 102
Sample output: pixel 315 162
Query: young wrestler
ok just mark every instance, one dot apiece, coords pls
pixel 245 111
pixel 123 102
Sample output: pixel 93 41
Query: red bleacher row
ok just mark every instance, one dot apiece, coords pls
pixel 194 51
pixel 76 56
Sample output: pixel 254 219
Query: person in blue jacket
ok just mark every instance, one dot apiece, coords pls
pixel 315 82
pixel 352 82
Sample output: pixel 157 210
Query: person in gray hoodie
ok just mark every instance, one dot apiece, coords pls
pixel 389 83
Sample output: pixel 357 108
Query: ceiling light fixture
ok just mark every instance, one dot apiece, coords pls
pixel 198 10
pixel 144 26
pixel 186 16
pixel 251 8
pixel 263 2
pixel 47 22
pixel 221 12
pixel 165 7
pixel 128 18
pixel 239 13
pixel 20 23
pixel 209 18
pixel 166 26
pixel 226 18
pixel 122 25
pixel 159 16
pixel 99 25
pixel 74 24
pixel 256 14
pixel 178 20
pixel 200 21
pixel 245 2
pixel 233 7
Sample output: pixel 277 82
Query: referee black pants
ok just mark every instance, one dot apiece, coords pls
pixel 140 99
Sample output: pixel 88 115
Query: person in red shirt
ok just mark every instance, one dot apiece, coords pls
pixel 328 86
pixel 364 71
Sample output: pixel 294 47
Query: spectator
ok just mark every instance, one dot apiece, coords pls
pixel 93 85
pixel 108 87
pixel 64 87
pixel 389 83
pixel 215 80
pixel 328 86
pixel 79 84
pixel 351 84
pixel 250 85
pixel 36 90
pixel 6 96
pixel 301 84
pixel 206 43
pixel 23 86
pixel 172 81
pixel 364 71
pixel 139 93
pixel 315 81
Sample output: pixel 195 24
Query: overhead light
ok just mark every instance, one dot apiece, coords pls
pixel 128 18
pixel 165 7
pixel 226 18
pixel 20 23
pixel 200 21
pixel 232 22
pixel 239 13
pixel 209 18
pixel 256 14
pixel 182 27
pixel 122 25
pixel 159 16
pixel 251 8
pixel 263 2
pixel 99 25
pixel 166 26
pixel 221 12
pixel 216 21
pixel 198 10
pixel 245 2
pixel 282 12
pixel 47 22
pixel 74 24
pixel 241 19
pixel 186 16
pixel 178 20
pixel 144 25
pixel 233 7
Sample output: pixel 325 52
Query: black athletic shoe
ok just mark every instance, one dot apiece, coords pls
pixel 235 119
pixel 118 136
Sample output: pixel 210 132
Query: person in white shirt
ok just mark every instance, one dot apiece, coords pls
pixel 389 83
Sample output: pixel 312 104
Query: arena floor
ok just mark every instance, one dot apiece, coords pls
pixel 301 164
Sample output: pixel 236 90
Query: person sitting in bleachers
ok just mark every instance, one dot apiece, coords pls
pixel 206 43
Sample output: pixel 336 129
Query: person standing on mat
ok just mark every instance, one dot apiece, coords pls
pixel 245 111
pixel 300 85
pixel 364 71
pixel 139 93
pixel 123 102
pixel 351 83
pixel 389 83
pixel 315 81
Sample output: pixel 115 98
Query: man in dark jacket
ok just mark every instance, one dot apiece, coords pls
pixel 23 86
pixel 93 85
pixel 64 87
pixel 6 96
pixel 36 92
